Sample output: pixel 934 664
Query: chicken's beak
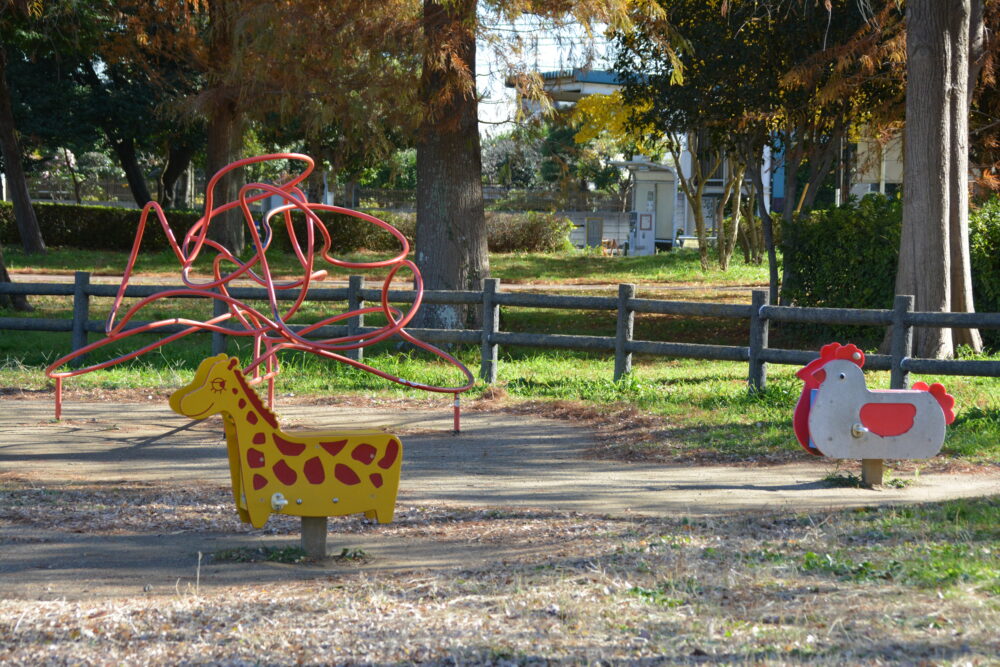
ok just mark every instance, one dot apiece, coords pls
pixel 820 376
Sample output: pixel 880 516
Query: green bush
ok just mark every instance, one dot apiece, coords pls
pixel 527 232
pixel 348 233
pixel 984 247
pixel 108 228
pixel 94 227
pixel 844 256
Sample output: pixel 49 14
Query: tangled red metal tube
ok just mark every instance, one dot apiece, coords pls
pixel 271 333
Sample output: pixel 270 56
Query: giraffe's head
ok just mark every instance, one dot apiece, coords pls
pixel 213 390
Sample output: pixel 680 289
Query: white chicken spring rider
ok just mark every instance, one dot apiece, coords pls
pixel 839 417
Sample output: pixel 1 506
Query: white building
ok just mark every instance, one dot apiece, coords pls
pixel 655 188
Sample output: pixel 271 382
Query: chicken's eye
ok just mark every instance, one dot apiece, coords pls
pixel 843 376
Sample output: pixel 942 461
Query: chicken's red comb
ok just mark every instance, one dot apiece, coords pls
pixel 831 352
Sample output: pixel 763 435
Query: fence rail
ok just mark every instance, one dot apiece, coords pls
pixel 902 318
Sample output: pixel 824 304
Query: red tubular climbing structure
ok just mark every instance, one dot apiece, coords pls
pixel 270 332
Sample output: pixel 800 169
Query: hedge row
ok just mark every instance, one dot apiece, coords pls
pixel 846 256
pixel 107 228
pixel 92 227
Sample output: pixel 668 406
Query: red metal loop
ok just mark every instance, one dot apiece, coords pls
pixel 271 333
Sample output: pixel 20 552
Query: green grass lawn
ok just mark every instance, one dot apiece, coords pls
pixel 702 409
pixel 680 266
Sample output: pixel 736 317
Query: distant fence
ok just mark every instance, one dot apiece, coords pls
pixel 902 318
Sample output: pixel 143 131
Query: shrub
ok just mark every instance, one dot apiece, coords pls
pixel 109 228
pixel 94 227
pixel 527 232
pixel 844 256
pixel 984 247
pixel 348 233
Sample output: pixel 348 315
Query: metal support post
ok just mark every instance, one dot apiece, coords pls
pixel 354 302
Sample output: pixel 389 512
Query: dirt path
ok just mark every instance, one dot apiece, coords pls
pixel 499 463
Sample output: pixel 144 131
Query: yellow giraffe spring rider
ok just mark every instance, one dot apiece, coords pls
pixel 308 474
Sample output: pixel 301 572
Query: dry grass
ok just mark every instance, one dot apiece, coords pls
pixel 560 587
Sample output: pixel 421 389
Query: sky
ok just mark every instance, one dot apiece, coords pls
pixel 546 50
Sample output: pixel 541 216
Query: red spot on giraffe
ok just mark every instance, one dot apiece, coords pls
pixel 376 479
pixel 284 474
pixel 345 475
pixel 259 438
pixel 391 453
pixel 333 448
pixel 259 482
pixel 235 391
pixel 242 403
pixel 313 470
pixel 287 447
pixel 255 458
pixel 251 418
pixel 363 454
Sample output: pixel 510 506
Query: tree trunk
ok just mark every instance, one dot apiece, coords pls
pixel 24 214
pixel 225 142
pixel 821 161
pixel 77 185
pixel 451 249
pixel 178 161
pixel 18 302
pixel 125 150
pixel 728 243
pixel 924 259
pixel 793 151
pixel 768 231
pixel 225 128
pixel 966 62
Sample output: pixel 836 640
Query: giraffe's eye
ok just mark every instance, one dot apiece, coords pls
pixel 218 385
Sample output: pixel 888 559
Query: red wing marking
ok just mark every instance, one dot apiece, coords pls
pixel 284 474
pixel 259 439
pixel 376 479
pixel 363 454
pixel 345 475
pixel 287 447
pixel 333 448
pixel 259 482
pixel 391 454
pixel 255 458
pixel 313 470
pixel 252 418
pixel 888 419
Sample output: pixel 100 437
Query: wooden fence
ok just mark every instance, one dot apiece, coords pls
pixel 902 318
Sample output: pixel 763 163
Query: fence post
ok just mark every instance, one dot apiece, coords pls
pixel 901 343
pixel 81 313
pixel 354 302
pixel 491 324
pixel 220 341
pixel 623 334
pixel 758 341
